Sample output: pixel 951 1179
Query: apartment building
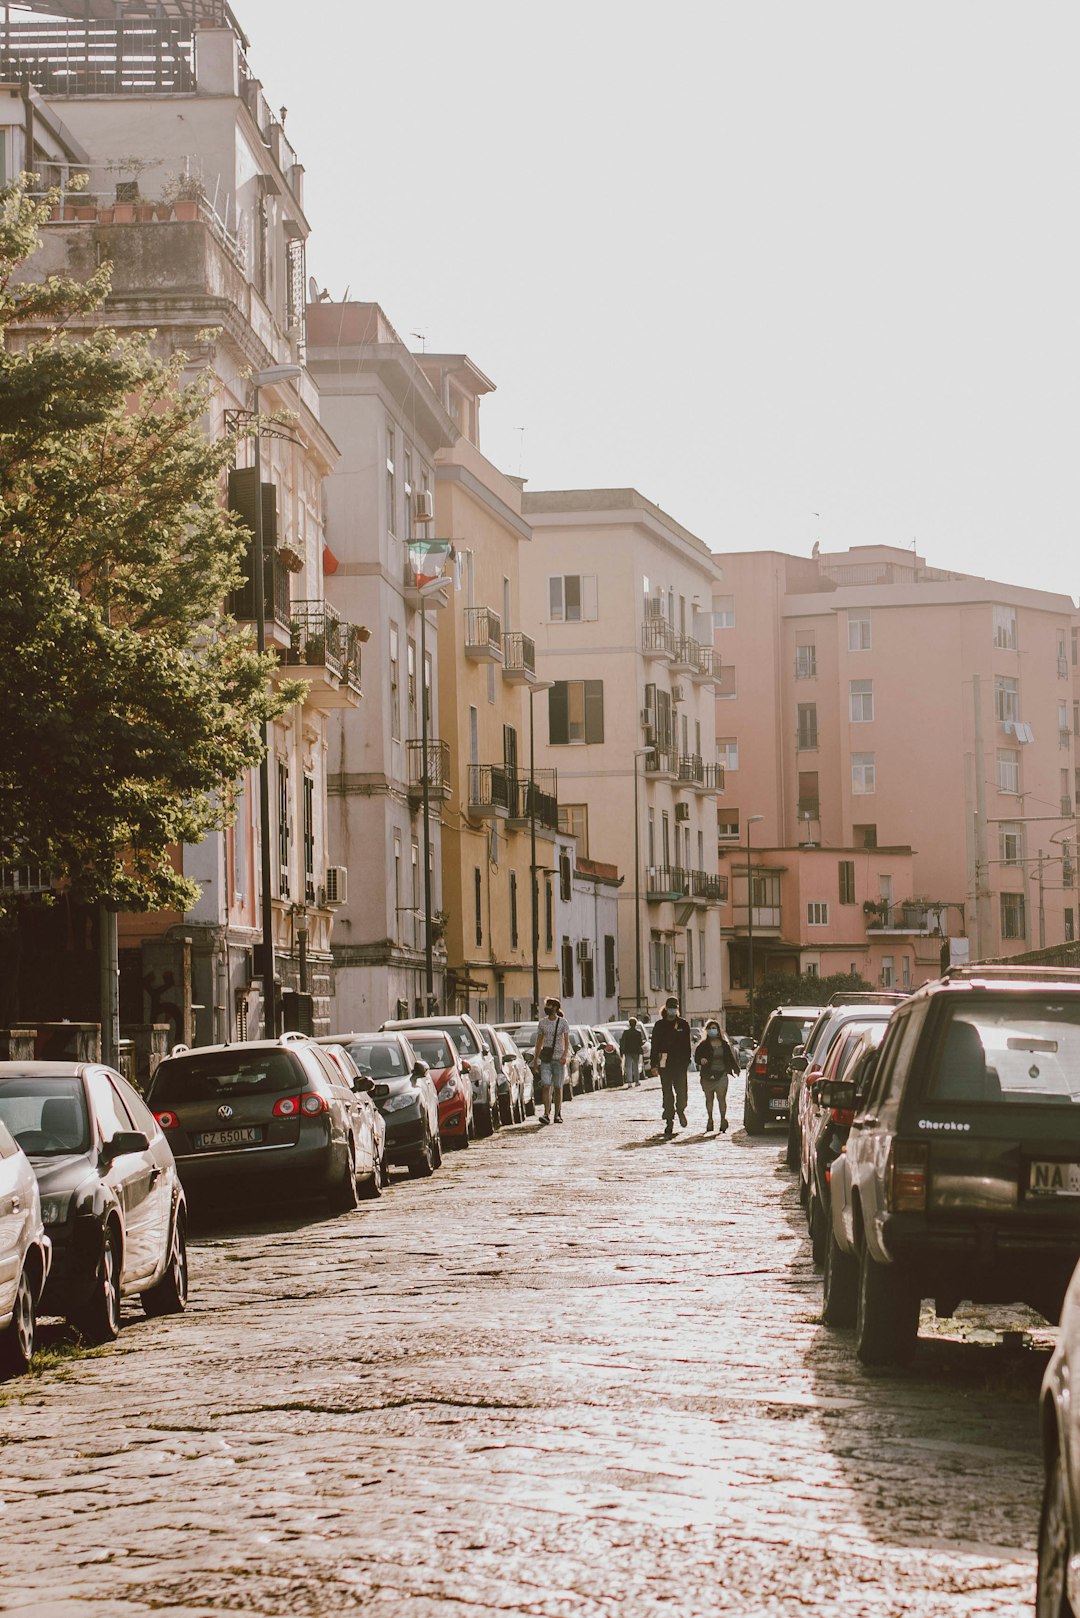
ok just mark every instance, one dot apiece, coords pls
pixel 620 598
pixel 195 196
pixel 586 934
pixel 501 815
pixel 900 747
pixel 390 427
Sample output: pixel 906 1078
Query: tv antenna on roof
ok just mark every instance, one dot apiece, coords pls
pixel 421 338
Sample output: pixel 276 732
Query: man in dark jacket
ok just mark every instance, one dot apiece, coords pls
pixel 670 1055
pixel 631 1046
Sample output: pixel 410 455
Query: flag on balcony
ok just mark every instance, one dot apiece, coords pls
pixel 428 559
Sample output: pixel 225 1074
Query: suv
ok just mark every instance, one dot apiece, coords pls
pixel 476 1062
pixel 962 1168
pixel 766 1098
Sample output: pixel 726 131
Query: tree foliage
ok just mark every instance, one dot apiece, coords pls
pixel 805 989
pixel 129 701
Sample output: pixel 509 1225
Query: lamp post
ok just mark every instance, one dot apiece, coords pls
pixel 750 819
pixel 263 379
pixel 432 588
pixel 639 752
pixel 538 685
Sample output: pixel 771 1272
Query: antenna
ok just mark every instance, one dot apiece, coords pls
pixel 421 338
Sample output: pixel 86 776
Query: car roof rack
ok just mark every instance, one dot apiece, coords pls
pixel 1012 974
pixel 859 997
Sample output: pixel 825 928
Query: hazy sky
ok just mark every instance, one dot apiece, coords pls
pixel 760 260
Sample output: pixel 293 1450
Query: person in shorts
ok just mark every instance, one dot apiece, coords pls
pixel 716 1062
pixel 551 1055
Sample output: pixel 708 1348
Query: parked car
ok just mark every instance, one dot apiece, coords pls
pixel 809 1057
pixel 452 1086
pixel 766 1098
pixel 744 1049
pixel 608 1041
pixel 515 1079
pixel 964 1157
pixel 275 1112
pixel 475 1060
pixel 839 1030
pixel 403 1091
pixel 590 1058
pixel 25 1256
pixel 111 1200
pixel 351 1072
pixel 827 1125
pixel 1058 1590
pixel 524 1036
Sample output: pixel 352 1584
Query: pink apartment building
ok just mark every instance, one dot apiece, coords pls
pixel 900 745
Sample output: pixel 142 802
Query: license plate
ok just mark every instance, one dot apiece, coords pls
pixel 1054 1180
pixel 227 1137
pixel 778 1104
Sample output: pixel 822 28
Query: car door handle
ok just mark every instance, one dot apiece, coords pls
pixel 15 1204
pixel 155 1176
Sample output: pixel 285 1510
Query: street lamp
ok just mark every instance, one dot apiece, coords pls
pixel 639 752
pixel 433 587
pixel 750 819
pixel 537 685
pixel 265 379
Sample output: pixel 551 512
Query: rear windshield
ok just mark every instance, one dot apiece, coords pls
pixel 787 1032
pixel 434 1049
pixel 383 1059
pixel 224 1074
pixel 525 1036
pixel 462 1038
pixel 47 1117
pixel 1025 1051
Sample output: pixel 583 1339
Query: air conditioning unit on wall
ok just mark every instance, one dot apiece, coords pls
pixel 682 812
pixel 677 693
pixel 425 506
pixel 584 950
pixel 336 890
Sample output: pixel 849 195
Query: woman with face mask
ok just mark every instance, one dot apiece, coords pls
pixel 716 1061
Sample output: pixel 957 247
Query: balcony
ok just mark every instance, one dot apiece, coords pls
pixel 537 796
pixel 328 648
pixel 907 917
pixel 657 639
pixel 705 887
pixel 519 658
pixel 707 664
pixel 438 769
pixel 121 57
pixel 684 654
pixel 483 635
pixel 241 603
pixel 712 779
pixel 662 761
pixel 491 790
pixel 691 770
pixel 666 883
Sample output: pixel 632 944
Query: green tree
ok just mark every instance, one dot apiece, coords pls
pixel 806 989
pixel 129 701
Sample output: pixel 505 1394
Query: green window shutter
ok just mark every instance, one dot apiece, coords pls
pixel 594 710
pixel 558 715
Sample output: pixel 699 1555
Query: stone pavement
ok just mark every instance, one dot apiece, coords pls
pixel 579 1372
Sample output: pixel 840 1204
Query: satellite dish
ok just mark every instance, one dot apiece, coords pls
pixel 312 289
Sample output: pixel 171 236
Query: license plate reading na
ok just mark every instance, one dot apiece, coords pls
pixel 227 1137
pixel 1054 1180
pixel 778 1104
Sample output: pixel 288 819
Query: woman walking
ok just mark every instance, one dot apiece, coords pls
pixel 716 1061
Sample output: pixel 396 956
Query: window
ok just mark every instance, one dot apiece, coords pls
pixel 395 686
pixel 727 753
pixel 427 687
pixel 513 910
pixel 727 825
pixel 391 482
pixel 398 906
pixel 817 913
pixel 111 1114
pixel 1076 784
pixel 702 980
pixel 1006 698
pixel 652 835
pixel 863 774
pixel 812 969
pixel 1070 926
pixel 571 598
pixel 574 819
pixel 861 699
pixel 807 727
pixel 847 882
pixel 309 840
pixel 1013 922
pixel 1066 800
pixel 407 530
pixel 723 612
pixel 905 964
pixel 575 712
pixel 726 687
pixel 806 662
pixel 565 874
pixel 888 972
pixel 491 682
pixel 284 829
pixel 809 803
pixel 549 913
pixel 1008 769
pixel 474 736
pixel 610 981
pixel 690 957
pixel 478 905
pixel 567 973
pixel 1005 628
pixel 1064 729
pixel 858 631
pixel 1075 646
pixel 1076 718
pixel 410 665
pixel 414 861
pixel 587 965
pixel 1062 656
pixel 1011 843
pixel 864 836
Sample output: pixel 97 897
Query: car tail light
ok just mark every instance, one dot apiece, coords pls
pixel 842 1115
pixel 312 1103
pixel 908 1174
pixel 761 1062
pixel 287 1107
pixel 167 1120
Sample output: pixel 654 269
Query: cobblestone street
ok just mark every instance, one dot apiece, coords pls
pixel 579 1371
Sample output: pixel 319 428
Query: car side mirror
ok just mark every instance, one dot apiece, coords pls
pixel 800 1063
pixel 363 1084
pixel 421 1070
pixel 124 1144
pixel 833 1093
pixel 800 1050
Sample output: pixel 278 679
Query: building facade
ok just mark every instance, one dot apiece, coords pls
pixel 620 598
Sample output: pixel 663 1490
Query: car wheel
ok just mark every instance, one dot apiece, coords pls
pixel 484 1124
pixel 169 1295
pixel 99 1319
pixel 887 1314
pixel 371 1186
pixel 422 1167
pixel 791 1156
pixel 840 1285
pixel 751 1118
pixel 1051 1597
pixel 18 1337
pixel 342 1195
pixel 816 1220
pixel 506 1109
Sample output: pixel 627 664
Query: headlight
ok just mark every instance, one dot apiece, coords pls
pixel 398 1103
pixel 448 1090
pixel 54 1210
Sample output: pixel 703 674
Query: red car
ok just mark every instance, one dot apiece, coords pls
pixel 454 1090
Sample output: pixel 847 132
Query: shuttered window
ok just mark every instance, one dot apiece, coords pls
pixel 575 712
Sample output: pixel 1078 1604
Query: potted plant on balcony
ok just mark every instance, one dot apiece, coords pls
pixel 185 194
pixel 315 649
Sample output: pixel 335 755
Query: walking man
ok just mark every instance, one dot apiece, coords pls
pixel 716 1062
pixel 551 1056
pixel 631 1048
pixel 671 1058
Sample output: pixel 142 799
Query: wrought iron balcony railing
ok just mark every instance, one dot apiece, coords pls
pixel 519 656
pixel 657 638
pixel 661 761
pixel 241 603
pixel 133 56
pixel 438 766
pixel 320 637
pixel 666 881
pixel 491 789
pixel 539 796
pixel 483 634
pixel 691 768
